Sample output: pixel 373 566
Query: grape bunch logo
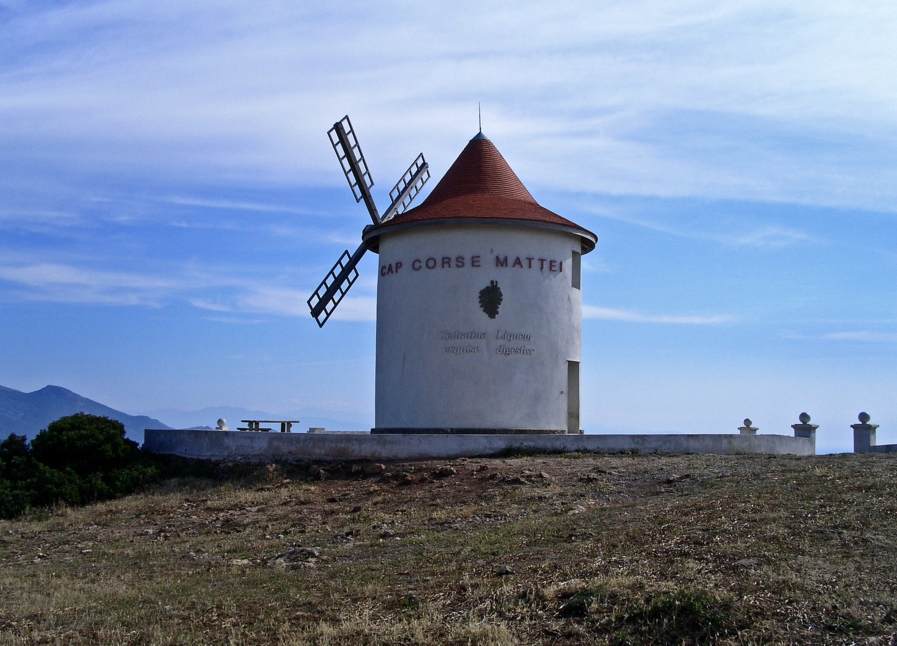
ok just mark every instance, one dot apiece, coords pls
pixel 490 299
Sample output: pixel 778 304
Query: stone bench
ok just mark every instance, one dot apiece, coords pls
pixel 255 425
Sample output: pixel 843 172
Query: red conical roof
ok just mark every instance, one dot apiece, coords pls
pixel 479 170
pixel 480 186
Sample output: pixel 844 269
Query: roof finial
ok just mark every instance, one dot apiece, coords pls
pixel 480 136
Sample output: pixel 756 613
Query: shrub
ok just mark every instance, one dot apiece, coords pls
pixel 84 458
pixel 48 486
pixel 86 444
pixel 76 460
pixel 13 500
pixel 14 446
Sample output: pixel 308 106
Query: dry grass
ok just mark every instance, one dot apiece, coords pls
pixel 543 549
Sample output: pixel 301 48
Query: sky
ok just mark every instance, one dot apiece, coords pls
pixel 169 198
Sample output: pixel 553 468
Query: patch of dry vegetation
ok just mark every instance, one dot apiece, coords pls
pixel 543 549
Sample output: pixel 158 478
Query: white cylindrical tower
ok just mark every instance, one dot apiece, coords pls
pixel 479 307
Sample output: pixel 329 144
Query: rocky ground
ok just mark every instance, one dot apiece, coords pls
pixel 564 549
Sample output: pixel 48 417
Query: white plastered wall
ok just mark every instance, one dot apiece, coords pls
pixel 442 361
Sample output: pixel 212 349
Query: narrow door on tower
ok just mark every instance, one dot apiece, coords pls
pixel 573 397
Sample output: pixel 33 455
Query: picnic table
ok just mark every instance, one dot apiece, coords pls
pixel 256 425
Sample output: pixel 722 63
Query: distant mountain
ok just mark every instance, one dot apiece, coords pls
pixel 28 413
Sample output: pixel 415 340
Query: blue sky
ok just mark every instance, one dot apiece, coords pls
pixel 169 198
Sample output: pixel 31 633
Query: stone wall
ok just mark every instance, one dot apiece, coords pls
pixel 229 445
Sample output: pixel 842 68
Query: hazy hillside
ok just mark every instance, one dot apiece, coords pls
pixel 28 413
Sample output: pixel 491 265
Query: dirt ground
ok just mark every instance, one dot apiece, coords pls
pixel 553 549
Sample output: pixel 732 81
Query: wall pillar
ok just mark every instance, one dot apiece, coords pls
pixel 863 434
pixel 747 429
pixel 805 429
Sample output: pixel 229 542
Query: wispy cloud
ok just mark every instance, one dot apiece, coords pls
pixel 233 205
pixel 357 308
pixel 768 236
pixel 46 274
pixel 204 287
pixel 272 300
pixel 42 216
pixel 288 302
pixel 862 336
pixel 608 314
pixel 68 284
pixel 592 263
pixel 765 237
pixel 751 100
pixel 212 306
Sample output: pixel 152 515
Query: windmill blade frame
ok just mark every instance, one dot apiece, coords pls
pixel 344 273
pixel 351 159
pixel 336 283
pixel 407 188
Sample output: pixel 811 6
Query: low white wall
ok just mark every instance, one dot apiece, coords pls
pixel 229 445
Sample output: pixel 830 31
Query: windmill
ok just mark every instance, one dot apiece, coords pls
pixel 337 282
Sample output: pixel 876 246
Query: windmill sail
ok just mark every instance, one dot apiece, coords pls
pixel 407 188
pixel 334 286
pixel 348 151
pixel 344 273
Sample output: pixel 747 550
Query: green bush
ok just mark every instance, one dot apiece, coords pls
pixel 84 458
pixel 13 500
pixel 87 444
pixel 15 446
pixel 48 486
pixel 75 460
